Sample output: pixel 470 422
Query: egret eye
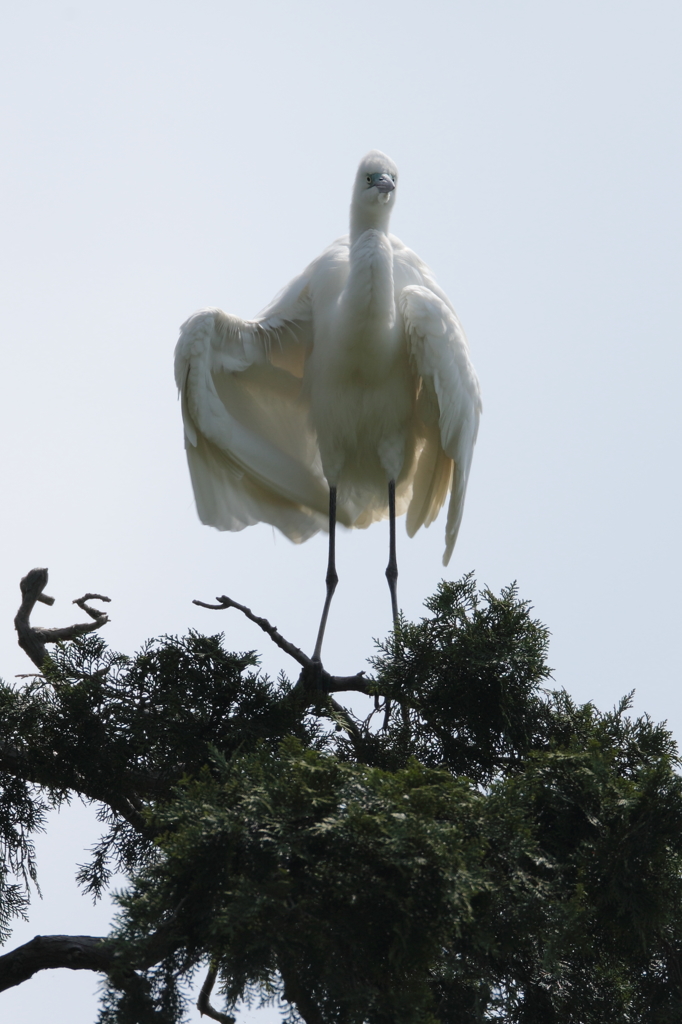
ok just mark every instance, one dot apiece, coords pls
pixel 369 179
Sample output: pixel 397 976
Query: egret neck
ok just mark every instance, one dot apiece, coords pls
pixel 367 306
pixel 370 209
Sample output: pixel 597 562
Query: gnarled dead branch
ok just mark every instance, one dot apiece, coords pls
pixel 32 639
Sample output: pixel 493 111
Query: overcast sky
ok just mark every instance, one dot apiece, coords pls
pixel 162 156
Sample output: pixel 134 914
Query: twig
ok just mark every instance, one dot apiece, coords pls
pixel 32 639
pixel 94 613
pixel 203 1002
pixel 291 649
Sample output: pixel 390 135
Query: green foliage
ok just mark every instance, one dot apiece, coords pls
pixel 465 681
pixel 492 852
pixel 22 812
pixel 345 879
pixel 122 731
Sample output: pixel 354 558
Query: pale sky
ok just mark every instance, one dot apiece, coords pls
pixel 159 157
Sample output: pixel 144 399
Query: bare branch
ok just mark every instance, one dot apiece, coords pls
pixel 83 953
pixel 295 652
pixel 358 682
pixel 77 952
pixel 313 677
pixel 203 1002
pixel 32 639
pixel 94 613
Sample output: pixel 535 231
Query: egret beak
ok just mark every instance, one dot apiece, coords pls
pixel 385 183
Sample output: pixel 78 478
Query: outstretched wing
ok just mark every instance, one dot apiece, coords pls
pixel 449 406
pixel 251 453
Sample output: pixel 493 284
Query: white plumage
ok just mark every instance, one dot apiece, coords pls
pixel 357 374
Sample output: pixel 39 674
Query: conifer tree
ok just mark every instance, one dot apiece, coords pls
pixel 480 848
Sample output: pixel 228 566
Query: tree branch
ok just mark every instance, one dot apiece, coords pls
pixel 313 676
pixel 296 994
pixel 83 953
pixel 291 649
pixel 32 639
pixel 204 1004
pixel 77 952
pixel 20 765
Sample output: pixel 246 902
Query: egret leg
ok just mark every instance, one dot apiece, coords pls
pixel 331 579
pixel 392 567
pixel 391 575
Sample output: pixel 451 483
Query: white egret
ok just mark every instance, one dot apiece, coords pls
pixel 351 396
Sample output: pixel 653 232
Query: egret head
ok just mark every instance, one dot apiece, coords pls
pixel 375 182
pixel 373 194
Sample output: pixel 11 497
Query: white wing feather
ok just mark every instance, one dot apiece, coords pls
pixel 440 352
pixel 251 453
